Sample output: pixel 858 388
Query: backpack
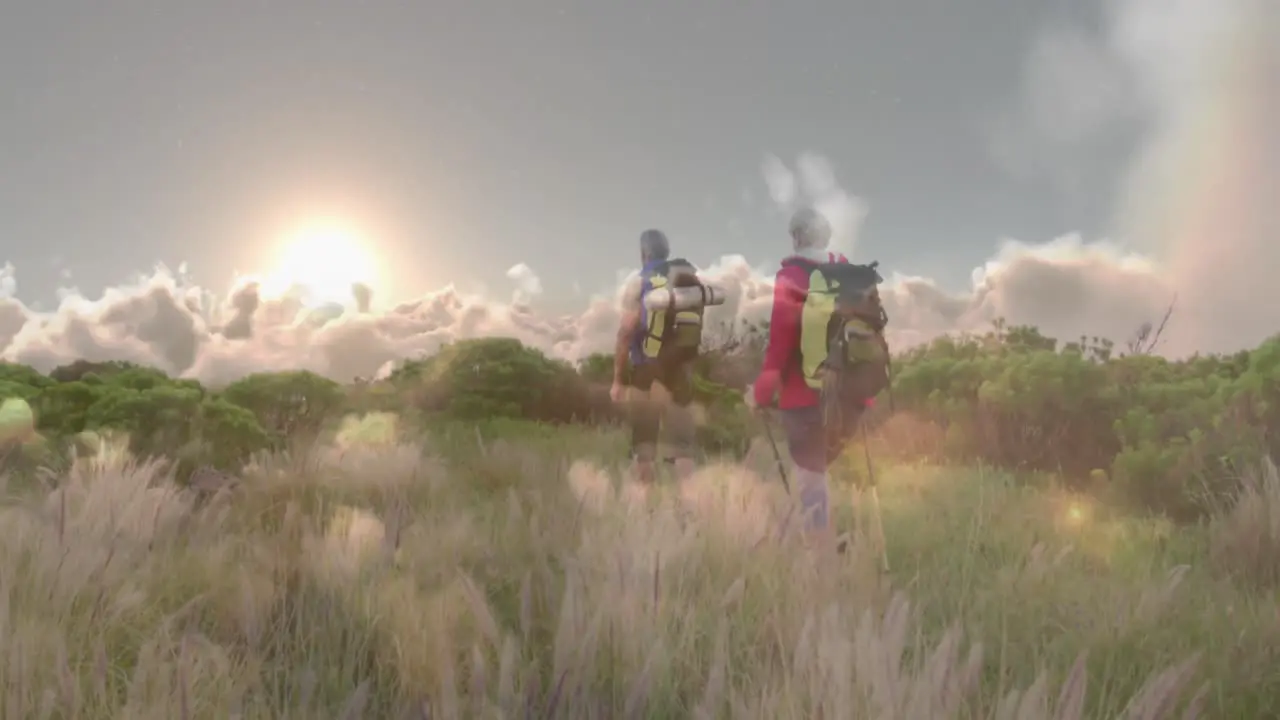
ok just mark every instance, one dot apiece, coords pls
pixel 671 335
pixel 843 352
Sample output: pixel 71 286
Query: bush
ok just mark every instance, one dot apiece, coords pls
pixel 1246 536
pixel 293 406
pixel 496 568
pixel 159 418
pixel 1172 437
pixel 499 377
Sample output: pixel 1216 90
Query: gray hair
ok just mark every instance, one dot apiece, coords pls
pixel 809 229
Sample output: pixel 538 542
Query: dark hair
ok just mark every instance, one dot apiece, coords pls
pixel 654 245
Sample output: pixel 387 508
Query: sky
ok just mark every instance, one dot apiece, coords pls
pixel 487 167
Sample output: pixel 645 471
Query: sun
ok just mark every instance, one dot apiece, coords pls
pixel 323 259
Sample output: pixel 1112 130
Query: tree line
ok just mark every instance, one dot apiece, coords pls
pixel 1166 435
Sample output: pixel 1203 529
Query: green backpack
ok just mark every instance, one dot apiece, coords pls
pixel 673 335
pixel 843 352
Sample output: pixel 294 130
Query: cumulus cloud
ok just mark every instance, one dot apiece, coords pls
pixel 8 282
pixel 1069 287
pixel 363 295
pixel 1201 79
pixel 1197 219
pixel 164 322
pixel 528 284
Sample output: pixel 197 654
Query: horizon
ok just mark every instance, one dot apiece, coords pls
pixel 1084 168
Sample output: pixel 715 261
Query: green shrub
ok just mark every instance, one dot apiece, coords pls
pixel 1166 436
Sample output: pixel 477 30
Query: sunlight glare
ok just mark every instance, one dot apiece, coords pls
pixel 1075 514
pixel 324 260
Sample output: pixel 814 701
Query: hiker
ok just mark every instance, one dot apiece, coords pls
pixel 826 358
pixel 658 339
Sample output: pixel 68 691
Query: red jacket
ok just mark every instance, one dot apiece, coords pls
pixel 781 374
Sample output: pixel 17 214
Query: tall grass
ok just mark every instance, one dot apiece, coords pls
pixel 510 578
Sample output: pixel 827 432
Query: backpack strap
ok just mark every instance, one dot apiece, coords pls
pixel 647 274
pixel 810 265
pixel 662 269
pixel 798 261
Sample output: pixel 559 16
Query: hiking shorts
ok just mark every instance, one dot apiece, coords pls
pixel 661 401
pixel 814 447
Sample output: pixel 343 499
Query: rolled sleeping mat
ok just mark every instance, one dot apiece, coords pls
pixel 684 298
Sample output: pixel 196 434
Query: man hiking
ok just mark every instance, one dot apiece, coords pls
pixel 658 339
pixel 825 361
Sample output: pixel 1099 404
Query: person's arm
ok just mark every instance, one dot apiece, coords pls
pixel 622 348
pixel 627 329
pixel 784 333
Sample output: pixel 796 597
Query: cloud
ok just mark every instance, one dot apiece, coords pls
pixel 1196 218
pixel 1069 287
pixel 1200 193
pixel 528 284
pixel 1075 90
pixel 1201 79
pixel 781 181
pixel 8 281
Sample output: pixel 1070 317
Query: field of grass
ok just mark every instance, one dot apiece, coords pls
pixel 517 576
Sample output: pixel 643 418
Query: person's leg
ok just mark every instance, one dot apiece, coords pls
pixel 644 423
pixel 839 427
pixel 841 424
pixel 806 442
pixel 679 426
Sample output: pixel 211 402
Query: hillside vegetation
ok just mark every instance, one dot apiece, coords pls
pixel 1173 437
pixel 1072 532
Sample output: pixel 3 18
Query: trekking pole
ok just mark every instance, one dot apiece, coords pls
pixel 888 371
pixel 782 472
pixel 875 499
pixel 777 455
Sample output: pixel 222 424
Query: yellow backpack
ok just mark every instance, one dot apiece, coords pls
pixel 843 352
pixel 670 334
